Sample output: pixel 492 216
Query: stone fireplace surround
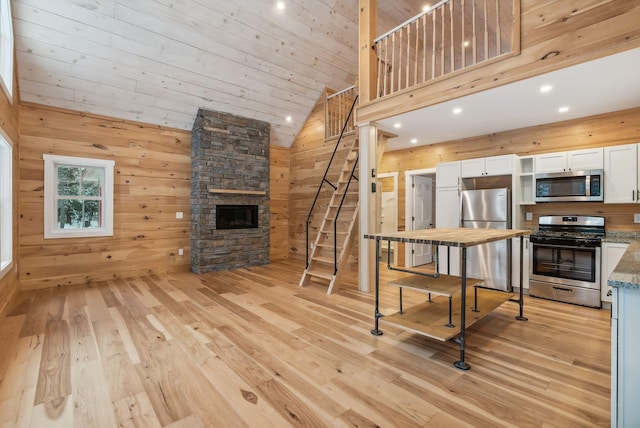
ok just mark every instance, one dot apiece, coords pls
pixel 230 166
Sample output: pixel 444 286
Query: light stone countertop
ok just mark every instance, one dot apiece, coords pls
pixel 627 272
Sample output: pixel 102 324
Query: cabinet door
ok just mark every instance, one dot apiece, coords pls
pixel 611 254
pixel 551 162
pixel 448 215
pixel 621 174
pixel 449 260
pixel 499 165
pixel 448 207
pixel 628 349
pixel 448 174
pixel 472 168
pixel 581 160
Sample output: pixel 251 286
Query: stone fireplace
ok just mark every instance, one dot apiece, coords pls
pixel 229 192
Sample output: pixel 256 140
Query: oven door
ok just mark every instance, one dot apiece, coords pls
pixel 566 265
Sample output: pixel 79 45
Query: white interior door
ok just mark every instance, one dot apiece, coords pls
pixel 422 216
pixel 389 215
pixel 387 195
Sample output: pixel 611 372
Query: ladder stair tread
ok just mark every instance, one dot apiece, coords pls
pixel 328 246
pixel 322 259
pixel 323 275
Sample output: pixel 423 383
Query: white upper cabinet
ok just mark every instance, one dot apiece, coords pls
pixel 621 174
pixel 494 165
pixel 576 160
pixel 448 174
pixel 582 160
pixel 551 162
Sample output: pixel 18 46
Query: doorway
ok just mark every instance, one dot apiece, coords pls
pixel 388 198
pixel 419 212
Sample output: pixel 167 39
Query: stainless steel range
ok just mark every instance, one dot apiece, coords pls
pixel 565 259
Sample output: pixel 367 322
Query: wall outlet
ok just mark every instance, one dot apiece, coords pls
pixel 180 252
pixel 179 215
pixel 528 216
pixel 636 218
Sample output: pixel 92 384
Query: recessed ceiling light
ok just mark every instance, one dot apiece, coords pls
pixel 457 110
pixel 414 140
pixel 280 5
pixel 288 118
pixel 426 8
pixel 466 44
pixel 563 109
pixel 545 88
pixel 397 125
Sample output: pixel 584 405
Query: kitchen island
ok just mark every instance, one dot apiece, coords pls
pixel 625 341
pixel 424 319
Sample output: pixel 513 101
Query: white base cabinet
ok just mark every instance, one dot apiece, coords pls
pixel 611 254
pixel 625 348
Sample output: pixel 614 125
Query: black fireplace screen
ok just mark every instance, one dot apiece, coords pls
pixel 236 216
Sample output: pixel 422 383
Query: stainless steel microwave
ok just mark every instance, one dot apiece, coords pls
pixel 578 186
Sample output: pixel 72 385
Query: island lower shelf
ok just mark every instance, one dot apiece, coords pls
pixel 443 285
pixel 430 318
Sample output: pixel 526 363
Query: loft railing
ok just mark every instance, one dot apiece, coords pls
pixel 453 35
pixel 338 118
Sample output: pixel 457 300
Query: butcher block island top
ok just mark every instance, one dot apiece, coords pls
pixel 452 237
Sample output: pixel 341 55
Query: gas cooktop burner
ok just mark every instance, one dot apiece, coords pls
pixel 582 231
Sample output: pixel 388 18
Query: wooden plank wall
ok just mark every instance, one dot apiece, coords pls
pixel 279 202
pixel 610 129
pixel 554 35
pixel 152 182
pixel 9 122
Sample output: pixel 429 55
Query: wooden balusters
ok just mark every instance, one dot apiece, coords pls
pixel 452 36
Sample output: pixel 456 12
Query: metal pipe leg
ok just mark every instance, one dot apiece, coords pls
pixel 377 315
pixel 521 316
pixel 449 324
pixel 401 300
pixel 475 299
pixel 461 364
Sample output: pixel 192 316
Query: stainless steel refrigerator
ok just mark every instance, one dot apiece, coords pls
pixel 488 209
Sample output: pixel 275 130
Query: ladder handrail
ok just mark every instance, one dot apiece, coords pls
pixel 324 179
pixel 335 220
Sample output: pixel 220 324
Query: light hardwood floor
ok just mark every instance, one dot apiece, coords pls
pixel 251 348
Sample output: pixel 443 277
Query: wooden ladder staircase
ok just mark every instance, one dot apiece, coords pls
pixel 336 234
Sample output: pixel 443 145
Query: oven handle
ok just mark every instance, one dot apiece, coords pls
pixel 563 289
pixel 570 247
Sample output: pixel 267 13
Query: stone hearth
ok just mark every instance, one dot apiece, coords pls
pixel 230 166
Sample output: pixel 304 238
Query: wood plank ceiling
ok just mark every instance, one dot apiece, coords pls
pixel 158 61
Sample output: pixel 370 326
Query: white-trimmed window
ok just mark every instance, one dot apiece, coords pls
pixel 6 211
pixel 78 197
pixel 6 48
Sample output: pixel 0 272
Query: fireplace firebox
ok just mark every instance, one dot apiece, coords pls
pixel 236 216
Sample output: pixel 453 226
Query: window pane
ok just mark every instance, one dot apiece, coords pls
pixel 78 214
pixel 69 180
pixel 91 188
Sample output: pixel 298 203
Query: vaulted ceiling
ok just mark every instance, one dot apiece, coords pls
pixel 158 61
